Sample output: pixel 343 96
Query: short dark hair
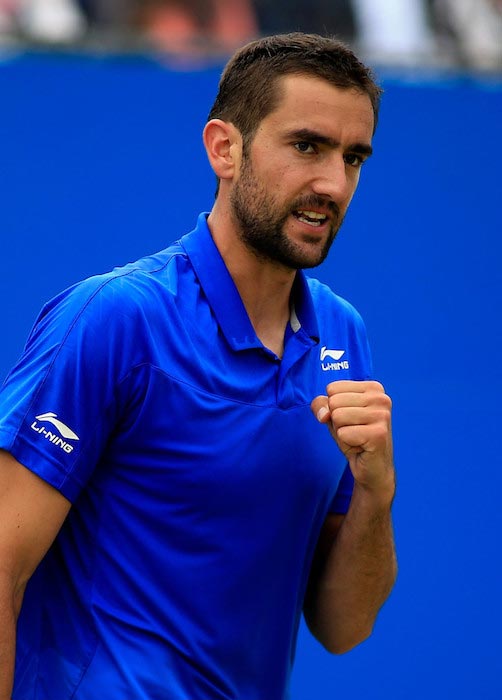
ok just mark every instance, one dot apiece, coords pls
pixel 248 91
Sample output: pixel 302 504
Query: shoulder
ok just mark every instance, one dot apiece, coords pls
pixel 329 305
pixel 132 282
pixel 113 318
pixel 342 334
pixel 121 293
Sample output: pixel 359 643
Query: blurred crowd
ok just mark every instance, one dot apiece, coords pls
pixel 413 32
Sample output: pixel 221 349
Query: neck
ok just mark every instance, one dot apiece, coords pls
pixel 264 286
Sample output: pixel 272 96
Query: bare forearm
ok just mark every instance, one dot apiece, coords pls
pixel 31 514
pixel 9 609
pixel 355 568
pixel 357 576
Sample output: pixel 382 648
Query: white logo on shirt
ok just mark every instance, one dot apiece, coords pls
pixel 334 355
pixel 63 430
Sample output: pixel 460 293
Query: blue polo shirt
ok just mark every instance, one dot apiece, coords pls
pixel 198 475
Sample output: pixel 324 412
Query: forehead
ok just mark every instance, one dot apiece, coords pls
pixel 311 102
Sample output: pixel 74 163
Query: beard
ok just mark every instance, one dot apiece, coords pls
pixel 262 223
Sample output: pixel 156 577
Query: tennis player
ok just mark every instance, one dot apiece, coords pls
pixel 194 450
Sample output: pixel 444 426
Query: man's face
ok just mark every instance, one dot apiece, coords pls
pixel 296 182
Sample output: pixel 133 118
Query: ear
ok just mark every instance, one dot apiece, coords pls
pixel 223 144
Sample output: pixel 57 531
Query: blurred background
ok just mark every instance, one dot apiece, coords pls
pixel 444 32
pixel 102 105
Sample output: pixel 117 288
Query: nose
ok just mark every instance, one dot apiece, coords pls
pixel 336 180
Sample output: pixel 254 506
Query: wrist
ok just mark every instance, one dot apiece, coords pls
pixel 375 500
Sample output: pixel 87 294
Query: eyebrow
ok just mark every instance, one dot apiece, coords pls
pixel 315 137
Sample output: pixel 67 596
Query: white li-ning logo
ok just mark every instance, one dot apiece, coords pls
pixel 334 355
pixel 53 437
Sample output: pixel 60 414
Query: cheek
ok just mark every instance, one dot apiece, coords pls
pixel 276 182
pixel 353 181
pixel 289 183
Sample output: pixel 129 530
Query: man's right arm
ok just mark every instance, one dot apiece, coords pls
pixel 31 514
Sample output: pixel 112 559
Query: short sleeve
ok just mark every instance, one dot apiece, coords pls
pixel 57 405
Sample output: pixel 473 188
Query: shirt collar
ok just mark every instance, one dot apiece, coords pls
pixel 224 298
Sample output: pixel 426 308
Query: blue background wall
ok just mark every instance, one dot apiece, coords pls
pixel 101 162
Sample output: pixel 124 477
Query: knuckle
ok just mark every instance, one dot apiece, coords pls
pixel 378 389
pixel 337 418
pixel 380 432
pixel 332 403
pixel 381 399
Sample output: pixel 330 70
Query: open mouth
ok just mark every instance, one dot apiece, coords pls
pixel 312 218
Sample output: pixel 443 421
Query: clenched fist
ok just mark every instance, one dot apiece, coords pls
pixel 358 414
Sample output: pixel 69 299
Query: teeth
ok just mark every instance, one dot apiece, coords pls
pixel 312 214
pixel 313 218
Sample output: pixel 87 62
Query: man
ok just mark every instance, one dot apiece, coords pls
pixel 168 502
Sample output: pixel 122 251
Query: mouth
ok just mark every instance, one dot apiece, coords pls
pixel 312 218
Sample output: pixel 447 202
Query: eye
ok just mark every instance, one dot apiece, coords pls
pixel 305 147
pixel 354 159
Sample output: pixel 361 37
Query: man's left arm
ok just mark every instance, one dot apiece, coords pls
pixel 355 564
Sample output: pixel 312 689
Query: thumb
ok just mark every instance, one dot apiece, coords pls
pixel 319 407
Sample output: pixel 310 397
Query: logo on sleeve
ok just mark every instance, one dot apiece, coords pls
pixel 332 359
pixel 53 437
